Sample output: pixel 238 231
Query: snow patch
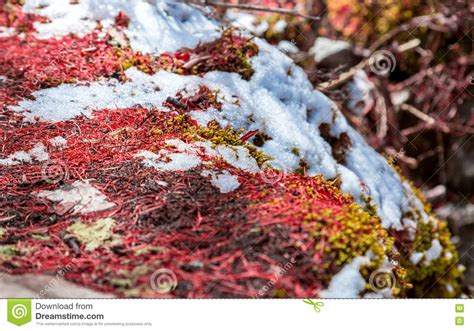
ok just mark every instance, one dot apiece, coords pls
pixel 416 257
pixel 37 153
pixel 79 198
pixel 287 47
pixel 166 161
pixel 155 25
pixel 360 97
pixel 434 252
pixel 347 283
pixel 324 48
pixel 224 181
pixel 7 32
pixel 58 142
pixel 188 156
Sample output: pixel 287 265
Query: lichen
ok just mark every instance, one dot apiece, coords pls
pixel 7 252
pixel 94 235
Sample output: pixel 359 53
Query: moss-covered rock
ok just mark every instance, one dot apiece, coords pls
pixel 220 169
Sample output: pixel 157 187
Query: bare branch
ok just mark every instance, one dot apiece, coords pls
pixel 255 8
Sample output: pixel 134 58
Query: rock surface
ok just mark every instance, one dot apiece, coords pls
pixel 216 169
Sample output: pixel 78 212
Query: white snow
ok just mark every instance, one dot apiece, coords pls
pixel 155 26
pixel 360 97
pixel 189 156
pixel 241 20
pixel 225 181
pixel 347 283
pixel 278 100
pixel 172 161
pixel 58 142
pixel 37 153
pixel 434 252
pixel 237 156
pixel 416 257
pixel 79 198
pixel 324 48
pixel 287 47
pixel 280 26
pixel 350 183
pixel 68 101
pixel 7 32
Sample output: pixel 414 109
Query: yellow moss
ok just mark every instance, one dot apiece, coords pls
pixel 431 280
pixel 212 132
pixel 94 235
pixel 7 252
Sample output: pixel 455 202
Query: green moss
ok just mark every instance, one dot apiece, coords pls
pixel 295 151
pixel 357 232
pixel 7 252
pixel 94 235
pixel 212 132
pixel 121 282
pixel 431 280
pixel 40 237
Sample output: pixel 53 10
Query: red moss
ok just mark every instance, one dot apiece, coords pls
pixel 203 99
pixel 230 53
pixel 12 16
pixel 31 64
pixel 187 225
pixel 122 20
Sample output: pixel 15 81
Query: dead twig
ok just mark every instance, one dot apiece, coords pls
pixel 418 113
pixel 255 8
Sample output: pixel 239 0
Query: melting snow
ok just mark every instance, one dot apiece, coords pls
pixel 169 161
pixel 37 153
pixel 278 100
pixel 79 198
pixel 188 156
pixel 347 283
pixel 434 252
pixel 58 142
pixel 224 181
pixel 324 47
pixel 416 257
pixel 155 26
